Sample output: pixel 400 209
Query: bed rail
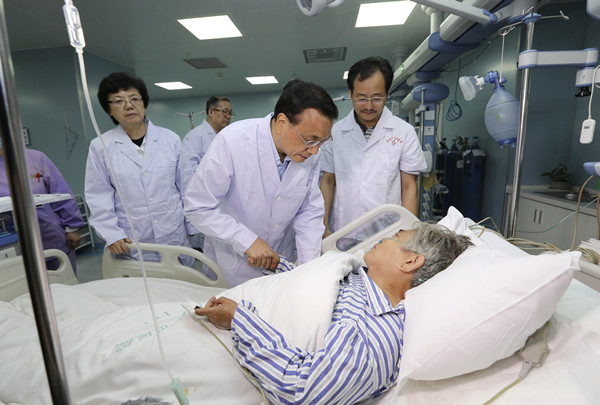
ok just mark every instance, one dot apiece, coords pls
pixel 406 220
pixel 169 267
pixel 13 281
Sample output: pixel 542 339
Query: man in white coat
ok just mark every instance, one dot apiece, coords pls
pixel 256 191
pixel 374 157
pixel 197 141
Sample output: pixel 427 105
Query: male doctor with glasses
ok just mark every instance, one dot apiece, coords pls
pixel 255 194
pixel 197 141
pixel 374 157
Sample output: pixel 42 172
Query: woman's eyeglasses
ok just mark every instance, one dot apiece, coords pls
pixel 120 102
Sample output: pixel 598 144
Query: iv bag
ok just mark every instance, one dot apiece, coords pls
pixel 502 116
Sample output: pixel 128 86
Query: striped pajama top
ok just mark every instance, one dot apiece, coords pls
pixel 359 360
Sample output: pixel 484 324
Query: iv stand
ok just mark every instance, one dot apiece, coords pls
pixel 26 220
pixel 520 146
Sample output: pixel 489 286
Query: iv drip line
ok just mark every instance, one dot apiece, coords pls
pixel 77 41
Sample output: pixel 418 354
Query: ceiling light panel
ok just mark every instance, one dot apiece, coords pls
pixel 173 85
pixel 219 26
pixel 382 14
pixel 262 80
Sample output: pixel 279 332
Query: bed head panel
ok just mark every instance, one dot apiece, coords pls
pixel 13 281
pixel 404 220
pixel 170 267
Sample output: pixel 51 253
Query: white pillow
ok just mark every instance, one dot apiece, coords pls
pixel 479 310
pixel 299 303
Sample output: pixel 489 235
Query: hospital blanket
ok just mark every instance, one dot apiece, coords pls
pixel 110 348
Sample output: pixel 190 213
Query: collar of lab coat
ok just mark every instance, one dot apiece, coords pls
pixel 129 149
pixel 385 122
pixel 268 164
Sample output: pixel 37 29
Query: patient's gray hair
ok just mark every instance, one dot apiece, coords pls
pixel 439 245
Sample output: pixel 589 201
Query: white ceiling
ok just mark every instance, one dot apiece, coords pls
pixel 144 35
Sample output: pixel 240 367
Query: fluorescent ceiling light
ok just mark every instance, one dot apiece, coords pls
pixel 262 80
pixel 219 26
pixel 386 13
pixel 173 85
pixel 345 75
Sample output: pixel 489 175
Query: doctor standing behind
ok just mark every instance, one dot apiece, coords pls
pixel 374 157
pixel 197 141
pixel 147 162
pixel 59 221
pixel 257 185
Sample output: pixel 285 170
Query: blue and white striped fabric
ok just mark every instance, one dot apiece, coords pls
pixel 359 359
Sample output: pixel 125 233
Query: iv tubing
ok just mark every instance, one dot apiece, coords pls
pixel 118 189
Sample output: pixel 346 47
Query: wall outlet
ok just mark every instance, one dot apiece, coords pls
pixel 6 253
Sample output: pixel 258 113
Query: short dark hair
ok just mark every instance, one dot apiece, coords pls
pixel 365 68
pixel 213 101
pixel 299 95
pixel 117 81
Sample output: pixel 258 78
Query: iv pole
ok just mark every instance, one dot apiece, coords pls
pixel 520 146
pixel 26 220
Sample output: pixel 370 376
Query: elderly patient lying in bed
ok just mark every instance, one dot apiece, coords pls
pixel 363 344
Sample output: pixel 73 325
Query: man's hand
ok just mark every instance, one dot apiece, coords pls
pixel 73 240
pixel 219 312
pixel 327 232
pixel 120 246
pixel 261 255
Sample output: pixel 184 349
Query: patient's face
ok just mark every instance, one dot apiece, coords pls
pixel 388 251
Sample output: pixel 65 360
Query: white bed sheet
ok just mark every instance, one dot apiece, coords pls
pixel 109 344
pixel 114 354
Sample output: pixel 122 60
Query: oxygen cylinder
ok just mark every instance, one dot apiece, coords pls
pixel 437 206
pixel 472 181
pixel 450 176
pixel 458 174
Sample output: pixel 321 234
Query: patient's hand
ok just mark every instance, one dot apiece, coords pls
pixel 119 246
pixel 261 255
pixel 219 311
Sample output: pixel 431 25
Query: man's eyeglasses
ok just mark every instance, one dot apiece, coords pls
pixel 120 102
pixel 365 100
pixel 310 144
pixel 226 112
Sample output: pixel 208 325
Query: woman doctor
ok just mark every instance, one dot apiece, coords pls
pixel 147 163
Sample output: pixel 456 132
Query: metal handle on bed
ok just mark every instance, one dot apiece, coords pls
pixel 169 267
pixel 406 221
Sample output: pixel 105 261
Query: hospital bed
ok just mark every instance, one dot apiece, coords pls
pixel 110 352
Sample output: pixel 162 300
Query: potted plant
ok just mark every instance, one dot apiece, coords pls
pixel 560 177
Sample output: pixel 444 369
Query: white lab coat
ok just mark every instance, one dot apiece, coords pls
pixel 151 185
pixel 195 145
pixel 367 174
pixel 236 196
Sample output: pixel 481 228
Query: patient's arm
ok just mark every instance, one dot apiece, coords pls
pixel 341 372
pixel 219 311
